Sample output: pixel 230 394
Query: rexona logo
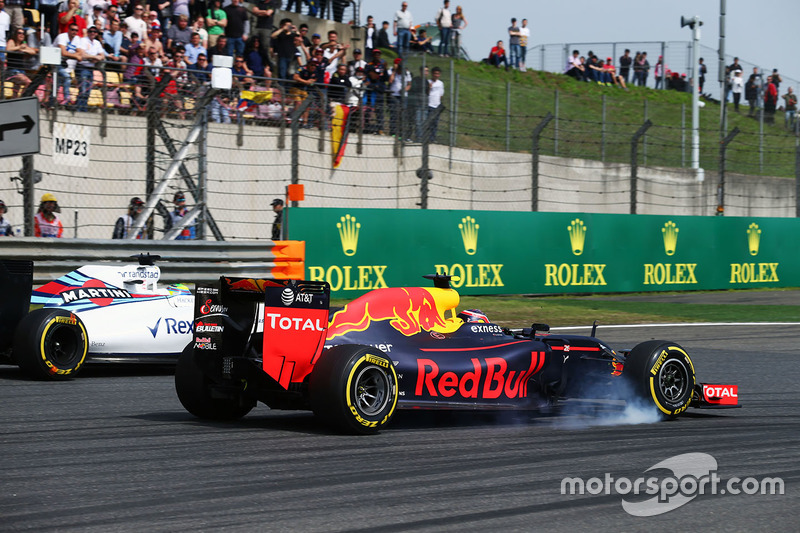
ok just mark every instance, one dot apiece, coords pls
pixel 670 273
pixel 349 278
pixel 471 274
pixel 575 274
pixel 754 272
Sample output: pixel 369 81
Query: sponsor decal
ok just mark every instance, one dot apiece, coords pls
pixel 754 272
pixel 753 238
pixel 469 275
pixel 670 235
pixel 437 335
pixel 721 394
pixel 95 291
pixel 277 321
pixel 486 329
pixel 71 320
pixel 670 274
pixel 577 235
pixel 659 362
pixel 350 278
pixel 208 327
pixel 207 290
pixel 209 308
pixel 574 274
pixel 141 274
pixel 205 345
pixel 469 234
pixel 348 233
pixel 202 339
pixel 172 327
pixel 377 361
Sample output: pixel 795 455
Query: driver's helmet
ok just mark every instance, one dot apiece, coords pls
pixel 473 315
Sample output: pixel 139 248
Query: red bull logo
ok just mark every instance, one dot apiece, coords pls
pixel 252 285
pixel 409 310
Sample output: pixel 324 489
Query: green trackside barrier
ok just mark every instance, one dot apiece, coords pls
pixel 491 252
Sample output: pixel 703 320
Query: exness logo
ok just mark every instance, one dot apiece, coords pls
pixel 691 475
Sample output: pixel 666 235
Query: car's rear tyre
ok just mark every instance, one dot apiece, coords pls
pixel 354 388
pixel 194 392
pixel 50 344
pixel 663 373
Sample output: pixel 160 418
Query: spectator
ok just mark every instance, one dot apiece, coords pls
pixel 737 88
pixel 791 108
pixel 18 53
pixel 46 222
pixel 277 207
pixel 5 26
pixel 153 40
pixel 333 52
pixel 459 24
pixel 590 64
pixel 302 29
pixel 202 69
pixel 770 101
pixel 575 67
pixel 199 27
pixel 242 75
pixel 220 109
pixel 435 100
pixel 112 14
pixel 284 45
pixel 216 21
pixel 383 37
pixel 399 85
pixel 301 56
pixel 136 23
pixel 498 55
pixel 6 230
pixel 659 72
pixel 444 21
pixel 179 34
pixel 524 35
pixel 194 49
pixel 513 43
pixel 355 96
pixel 152 21
pixel 600 73
pixel 751 89
pixel 112 42
pixel 356 62
pixel 611 72
pixel 126 222
pixel 642 68
pixel 91 54
pixel 37 39
pixel 625 62
pixel 69 43
pixel 776 80
pixel 180 8
pixel 96 18
pixel 370 36
pixel 256 61
pixel 403 21
pixel 153 61
pixel 316 42
pixel 341 85
pixel 375 85
pixel 421 42
pixel 702 70
pixel 305 78
pixel 264 12
pixel 338 9
pixel 176 216
pixel 236 30
pixel 49 10
pixel 71 16
pixel 219 49
pixel 298 5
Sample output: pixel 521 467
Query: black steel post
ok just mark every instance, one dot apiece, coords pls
pixel 635 161
pixel 723 147
pixel 537 132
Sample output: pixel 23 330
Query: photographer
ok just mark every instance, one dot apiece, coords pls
pixel 284 46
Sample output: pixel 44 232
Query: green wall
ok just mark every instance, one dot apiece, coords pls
pixel 356 250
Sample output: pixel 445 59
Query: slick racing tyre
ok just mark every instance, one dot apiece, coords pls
pixel 194 392
pixel 354 388
pixel 50 344
pixel 661 372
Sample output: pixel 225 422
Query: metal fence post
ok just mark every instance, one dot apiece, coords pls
pixel 634 163
pixel 603 130
pixel 723 146
pixel 452 137
pixel 537 132
pixel 28 203
pixel 454 124
pixel 644 139
pixel 298 112
pixel 202 175
pixel 104 92
pixel 683 135
pixel 555 127
pixel 508 116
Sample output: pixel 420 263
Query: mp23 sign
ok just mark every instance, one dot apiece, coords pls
pixel 71 144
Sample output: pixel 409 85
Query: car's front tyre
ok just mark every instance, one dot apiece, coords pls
pixel 50 344
pixel 663 373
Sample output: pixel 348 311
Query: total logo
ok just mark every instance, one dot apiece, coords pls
pixel 277 321
pixel 721 394
pixel 173 327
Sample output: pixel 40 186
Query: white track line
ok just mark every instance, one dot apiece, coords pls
pixel 680 324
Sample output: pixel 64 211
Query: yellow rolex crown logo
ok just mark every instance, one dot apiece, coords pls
pixel 348 233
pixel 577 235
pixel 753 238
pixel 670 234
pixel 469 234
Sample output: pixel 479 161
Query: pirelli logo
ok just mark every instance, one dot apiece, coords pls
pixel 377 361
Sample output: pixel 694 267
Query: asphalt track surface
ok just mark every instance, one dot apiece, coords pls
pixel 114 451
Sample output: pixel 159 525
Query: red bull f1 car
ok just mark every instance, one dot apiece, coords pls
pixel 405 348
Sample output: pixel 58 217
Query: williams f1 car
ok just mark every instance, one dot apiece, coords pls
pixel 99 312
pixel 404 348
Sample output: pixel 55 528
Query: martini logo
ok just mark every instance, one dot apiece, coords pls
pixel 753 238
pixel 95 291
pixel 670 234
pixel 348 233
pixel 469 234
pixel 577 235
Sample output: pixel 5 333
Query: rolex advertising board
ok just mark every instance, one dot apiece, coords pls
pixel 489 252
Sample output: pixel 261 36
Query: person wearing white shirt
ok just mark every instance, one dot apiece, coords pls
pixel 136 24
pixel 524 35
pixel 69 43
pixel 5 25
pixel 402 28
pixel 91 54
pixel 444 20
pixel 435 99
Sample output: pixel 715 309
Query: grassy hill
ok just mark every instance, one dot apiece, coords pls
pixel 481 109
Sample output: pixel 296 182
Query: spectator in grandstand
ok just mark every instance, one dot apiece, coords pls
pixel 322 66
pixel 201 71
pixel 283 42
pixel 176 216
pixel 264 12
pixel 180 8
pixel 199 27
pixel 136 22
pixel 403 21
pixel 459 24
pixel 421 42
pixel 575 67
pixel 625 61
pixel 5 26
pixel 659 72
pixel 375 90
pixel 737 88
pixel 96 18
pixel 153 41
pixel 751 89
pixel 513 43
pixel 112 42
pixel 17 53
pixel 153 61
pixel 370 35
pixel 235 30
pixel 298 5
pixel 355 96
pixel 125 223
pixel 399 85
pixel 49 10
pixel 301 56
pixel 112 14
pixel 179 34
pixel 641 69
pixel 277 208
pixel 69 43
pixel 435 101
pixel 91 54
pixel 334 52
pixel 253 56
pixel 6 230
pixel 776 80
pixel 242 75
pixel 152 20
pixel 316 42
pixel 220 109
pixel 302 29
pixel 219 49
pixel 356 62
pixel 46 222
pixel 37 38
pixel 71 16
pixel 444 21
pixel 702 70
pixel 383 37
pixel 341 85
pixel 770 100
pixel 216 21
pixel 304 79
pixel 790 108
pixel 194 49
pixel 497 55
